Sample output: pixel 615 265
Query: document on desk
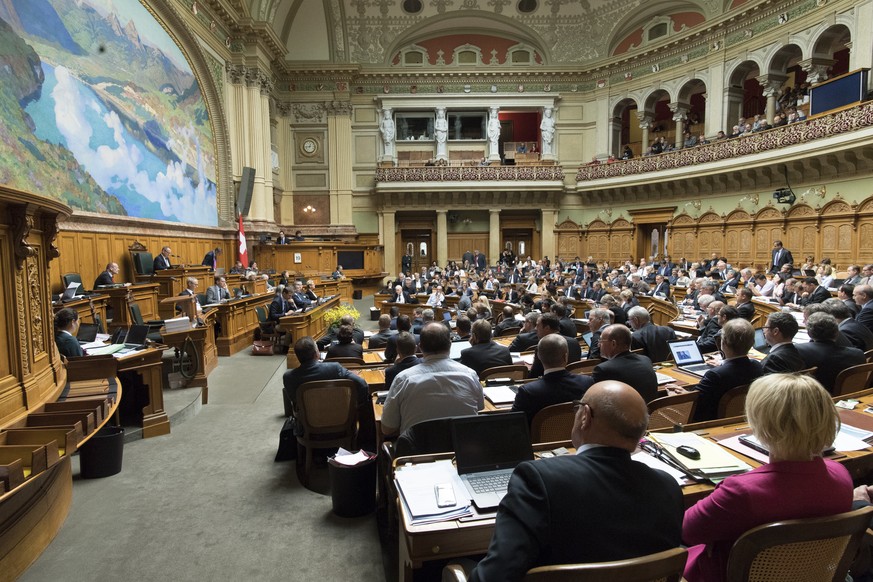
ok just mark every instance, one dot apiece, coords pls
pixel 715 462
pixel 416 486
pixel 649 460
pixel 499 394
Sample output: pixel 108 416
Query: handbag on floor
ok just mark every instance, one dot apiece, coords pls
pixel 262 348
pixel 287 441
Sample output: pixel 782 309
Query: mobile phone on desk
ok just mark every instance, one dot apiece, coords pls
pixel 445 495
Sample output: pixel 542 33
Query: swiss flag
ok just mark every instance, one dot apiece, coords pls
pixel 243 250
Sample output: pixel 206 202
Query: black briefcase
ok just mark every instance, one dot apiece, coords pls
pixel 287 442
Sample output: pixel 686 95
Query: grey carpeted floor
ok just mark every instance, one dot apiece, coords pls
pixel 207 502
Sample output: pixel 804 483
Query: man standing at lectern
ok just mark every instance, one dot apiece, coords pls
pixel 781 256
pixel 211 258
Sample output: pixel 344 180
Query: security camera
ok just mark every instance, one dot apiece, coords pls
pixel 784 196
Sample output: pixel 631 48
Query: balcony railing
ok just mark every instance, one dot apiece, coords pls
pixel 802 132
pixel 471 174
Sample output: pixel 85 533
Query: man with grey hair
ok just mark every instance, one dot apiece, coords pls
pixel 191 291
pixel 436 388
pixel 783 356
pixel 556 385
pixel 856 334
pixel 598 319
pixel 822 351
pixel 737 369
pixel 538 522
pixel 708 324
pixel 863 296
pixel 651 338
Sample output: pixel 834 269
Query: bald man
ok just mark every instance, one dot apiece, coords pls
pixel 556 385
pixel 557 511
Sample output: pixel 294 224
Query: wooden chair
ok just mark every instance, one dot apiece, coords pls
pixel 508 331
pixel 853 379
pixel 347 361
pixel 666 566
pixel 808 371
pixel 266 329
pixel 583 366
pixel 669 411
pixel 816 549
pixel 869 355
pixel 513 371
pixel 733 402
pixel 154 325
pixel 553 423
pixel 327 412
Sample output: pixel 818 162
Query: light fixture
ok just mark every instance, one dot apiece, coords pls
pixel 309 209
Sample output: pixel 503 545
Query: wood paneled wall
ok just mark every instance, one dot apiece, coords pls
pixel 838 230
pixel 459 243
pixel 88 253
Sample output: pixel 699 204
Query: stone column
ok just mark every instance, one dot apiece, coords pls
pixel 258 86
pixel 816 69
pixel 645 118
pixel 236 118
pixel 339 160
pixel 680 114
pixel 714 112
pixel 286 161
pixel 771 83
pixel 547 233
pixel 441 134
pixel 388 240
pixel 614 132
pixel 733 107
pixel 442 236
pixel 493 236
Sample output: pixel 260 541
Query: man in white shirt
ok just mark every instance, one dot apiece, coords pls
pixel 437 297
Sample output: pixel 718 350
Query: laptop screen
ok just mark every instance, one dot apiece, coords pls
pixel 488 442
pixel 586 337
pixel 685 352
pixel 87 332
pixel 760 343
pixel 70 291
pixel 137 335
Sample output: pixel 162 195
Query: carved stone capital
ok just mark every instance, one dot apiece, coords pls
pixel 645 119
pixel 283 109
pixel 816 69
pixel 236 74
pixel 338 108
pixel 308 112
pixel 771 83
pixel 679 111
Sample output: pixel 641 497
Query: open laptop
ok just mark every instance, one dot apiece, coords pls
pixel 760 342
pixel 587 337
pixel 87 333
pixel 687 356
pixel 71 291
pixel 487 449
pixel 135 337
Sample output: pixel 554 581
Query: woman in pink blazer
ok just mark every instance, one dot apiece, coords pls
pixel 795 418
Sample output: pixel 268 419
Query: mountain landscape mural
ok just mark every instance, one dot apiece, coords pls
pixel 100 109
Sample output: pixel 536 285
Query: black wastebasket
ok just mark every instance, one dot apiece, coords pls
pixel 375 313
pixel 352 488
pixel 101 456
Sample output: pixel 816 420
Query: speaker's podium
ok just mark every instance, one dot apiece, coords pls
pixel 172 281
pixel 192 331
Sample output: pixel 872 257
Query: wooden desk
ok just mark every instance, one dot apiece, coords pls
pixel 238 321
pixel 309 323
pixel 143 294
pixel 207 354
pixel 148 366
pixel 252 287
pixel 409 308
pixel 87 308
pixel 171 282
pixel 661 310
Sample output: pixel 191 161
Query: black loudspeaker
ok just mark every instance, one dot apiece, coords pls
pixel 246 185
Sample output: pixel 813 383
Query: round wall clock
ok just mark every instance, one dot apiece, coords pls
pixel 309 146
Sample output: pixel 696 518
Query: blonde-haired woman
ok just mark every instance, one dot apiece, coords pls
pixel 794 417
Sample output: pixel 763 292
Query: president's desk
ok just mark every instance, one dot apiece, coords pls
pixel 171 282
pixel 309 323
pixel 457 538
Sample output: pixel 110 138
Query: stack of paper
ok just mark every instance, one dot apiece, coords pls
pixel 715 463
pixel 499 394
pixel 178 324
pixel 416 485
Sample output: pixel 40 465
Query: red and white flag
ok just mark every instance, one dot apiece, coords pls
pixel 243 250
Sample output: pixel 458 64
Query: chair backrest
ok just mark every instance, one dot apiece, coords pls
pixel 201 298
pixel 817 549
pixel 666 566
pixel 514 371
pixel 853 379
pixel 424 438
pixel 869 356
pixel 669 411
pixel 553 423
pixel 346 361
pixel 733 402
pixel 135 313
pixel 143 262
pixel 808 371
pixel 327 407
pixel 68 278
pixel 583 366
pixel 261 313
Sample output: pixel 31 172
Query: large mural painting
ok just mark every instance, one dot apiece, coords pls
pixel 99 108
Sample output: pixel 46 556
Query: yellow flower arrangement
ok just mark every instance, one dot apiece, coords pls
pixel 332 317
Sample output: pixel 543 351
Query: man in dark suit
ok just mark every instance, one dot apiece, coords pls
pixel 211 258
pixel 345 347
pixel 479 261
pixel 780 256
pixel 547 324
pixel 744 304
pixel 648 336
pixel 508 322
pixel 403 324
pixel 484 353
pixel 401 296
pixel 282 305
pixel 406 358
pixel 311 369
pixel 731 282
pixel 783 356
pixel 162 261
pixel 282 239
pixel 538 522
pixel 557 385
pixel 301 301
pixel 598 319
pixel 813 292
pixel 823 352
pixel 709 324
pixel 510 295
pixel 190 290
pixel 857 334
pixel 737 369
pixel 863 296
pixel 467 257
pixel 622 365
pixel 567 325
pixel 333 333
pixel 527 337
pixel 107 277
pixel 380 339
pixel 661 288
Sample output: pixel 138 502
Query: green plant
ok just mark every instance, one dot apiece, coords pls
pixel 332 317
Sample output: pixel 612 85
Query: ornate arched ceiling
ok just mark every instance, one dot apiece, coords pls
pixel 370 32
